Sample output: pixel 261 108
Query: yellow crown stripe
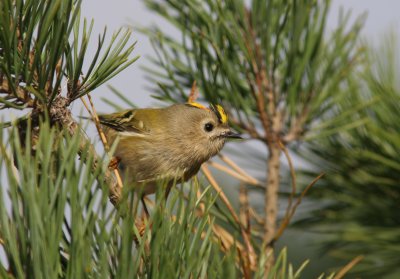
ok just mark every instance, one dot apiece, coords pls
pixel 222 113
pixel 217 109
pixel 197 105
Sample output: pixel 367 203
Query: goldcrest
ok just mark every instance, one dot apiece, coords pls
pixel 168 143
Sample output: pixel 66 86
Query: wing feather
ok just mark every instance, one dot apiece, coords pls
pixel 124 122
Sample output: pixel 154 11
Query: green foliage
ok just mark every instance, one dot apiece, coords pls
pixel 43 45
pixel 361 190
pixel 48 207
pixel 240 54
pixel 56 222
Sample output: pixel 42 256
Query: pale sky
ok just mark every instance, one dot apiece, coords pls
pixel 382 17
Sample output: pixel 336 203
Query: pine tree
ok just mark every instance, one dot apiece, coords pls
pixel 362 187
pixel 62 212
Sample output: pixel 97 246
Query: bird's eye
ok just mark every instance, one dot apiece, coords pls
pixel 208 127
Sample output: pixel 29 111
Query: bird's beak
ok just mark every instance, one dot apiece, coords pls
pixel 231 135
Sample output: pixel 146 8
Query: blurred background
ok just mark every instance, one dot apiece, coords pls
pixel 382 18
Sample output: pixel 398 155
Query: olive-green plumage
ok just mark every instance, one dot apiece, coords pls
pixel 165 143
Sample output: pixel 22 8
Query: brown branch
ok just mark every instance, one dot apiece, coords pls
pixel 288 214
pixel 348 266
pixel 253 88
pixel 103 138
pixel 244 208
pixel 226 238
pixel 194 93
pixel 264 116
pixel 20 93
pixel 215 185
pixel 261 82
pixel 293 178
pixel 221 235
pixel 296 129
pixel 256 216
pixel 287 219
pixel 234 166
pixel 234 174
pixel 271 122
pixel 271 201
pixel 251 255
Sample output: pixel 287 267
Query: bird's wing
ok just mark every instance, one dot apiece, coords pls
pixel 124 122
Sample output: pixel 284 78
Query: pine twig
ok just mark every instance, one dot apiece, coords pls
pixel 104 140
pixel 244 208
pixel 292 175
pixel 251 255
pixel 342 272
pixel 234 174
pixel 287 219
pixel 256 216
pixel 114 191
pixel 194 93
pixel 234 166
pixel 220 234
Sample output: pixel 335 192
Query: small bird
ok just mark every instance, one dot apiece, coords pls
pixel 168 143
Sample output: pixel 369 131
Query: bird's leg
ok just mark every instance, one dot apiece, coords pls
pixel 114 162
